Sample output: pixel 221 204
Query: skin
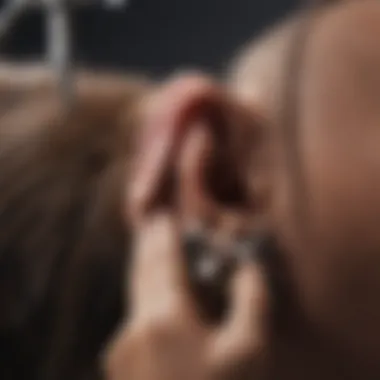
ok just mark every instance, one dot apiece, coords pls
pixel 330 249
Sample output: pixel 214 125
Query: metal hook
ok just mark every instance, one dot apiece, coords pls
pixel 59 49
pixel 59 46
pixel 58 31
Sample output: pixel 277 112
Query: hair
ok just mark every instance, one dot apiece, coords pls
pixel 63 235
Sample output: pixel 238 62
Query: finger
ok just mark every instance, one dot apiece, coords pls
pixel 245 329
pixel 249 300
pixel 159 282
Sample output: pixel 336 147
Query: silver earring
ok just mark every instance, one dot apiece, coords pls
pixel 207 266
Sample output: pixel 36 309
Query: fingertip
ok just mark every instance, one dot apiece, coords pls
pixel 249 285
pixel 250 303
pixel 156 227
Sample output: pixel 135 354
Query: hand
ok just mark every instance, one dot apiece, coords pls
pixel 164 338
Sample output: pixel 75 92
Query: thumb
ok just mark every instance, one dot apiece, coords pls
pixel 243 337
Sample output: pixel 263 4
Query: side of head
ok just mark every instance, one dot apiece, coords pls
pixel 334 256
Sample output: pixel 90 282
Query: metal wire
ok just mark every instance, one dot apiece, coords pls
pixel 59 51
pixel 58 37
pixel 58 30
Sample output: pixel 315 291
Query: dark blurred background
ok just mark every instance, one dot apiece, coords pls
pixel 154 36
